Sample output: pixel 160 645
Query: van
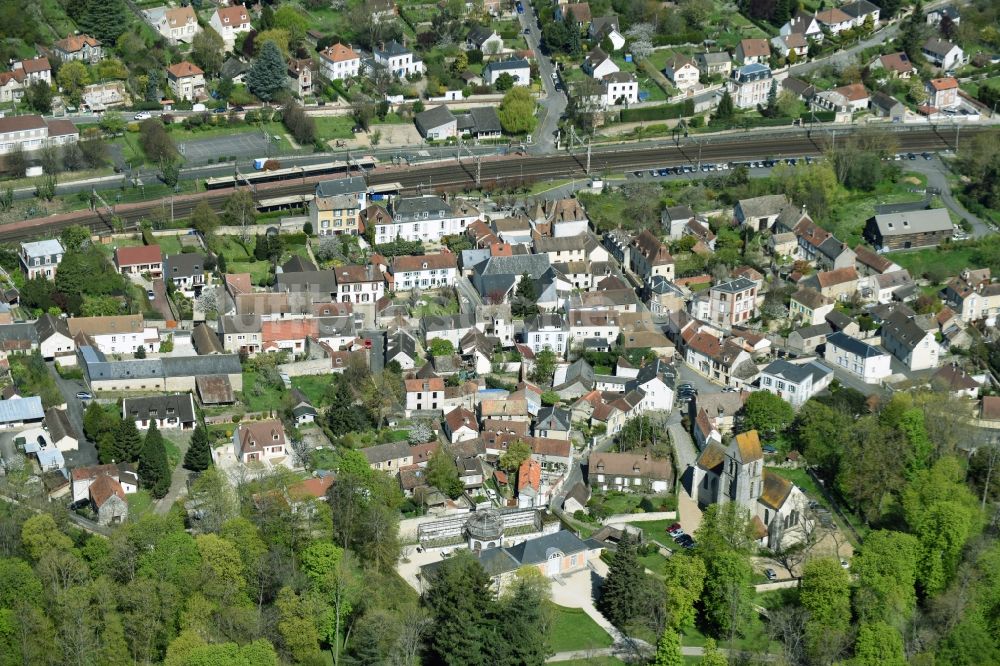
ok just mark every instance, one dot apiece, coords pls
pixel 199 107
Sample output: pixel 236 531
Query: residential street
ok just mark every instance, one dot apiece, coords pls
pixel 936 177
pixel 554 102
pixel 87 454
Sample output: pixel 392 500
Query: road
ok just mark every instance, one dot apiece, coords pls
pixel 554 103
pixel 935 172
pixel 87 453
pixel 507 171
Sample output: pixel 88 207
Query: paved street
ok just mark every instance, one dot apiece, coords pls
pixel 87 453
pixel 937 178
pixel 554 102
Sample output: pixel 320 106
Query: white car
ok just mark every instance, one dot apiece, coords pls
pixel 142 115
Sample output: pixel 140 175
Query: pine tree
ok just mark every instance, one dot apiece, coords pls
pixel 525 301
pixel 668 649
pixel 267 75
pixel 95 421
pixel 622 593
pixel 772 99
pixel 107 448
pixel 522 633
pixel 343 416
pixel 104 19
pixel 154 473
pixel 129 442
pixel 726 109
pixel 199 454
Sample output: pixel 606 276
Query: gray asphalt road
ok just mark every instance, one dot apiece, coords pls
pixel 87 453
pixel 936 177
pixel 555 101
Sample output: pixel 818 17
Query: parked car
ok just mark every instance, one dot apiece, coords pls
pixel 675 530
pixel 150 294
pixel 142 115
pixel 84 395
pixel 769 573
pixel 767 448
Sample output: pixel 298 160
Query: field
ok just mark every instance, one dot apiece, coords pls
pixel 572 629
pixel 948 261
pixel 854 209
pixel 265 398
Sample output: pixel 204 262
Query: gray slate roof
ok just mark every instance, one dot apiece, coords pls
pixel 433 118
pixel 189 264
pixel 853 345
pixel 913 222
pixel 177 404
pixel 337 186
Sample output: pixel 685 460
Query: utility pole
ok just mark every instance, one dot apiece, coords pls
pixel 588 156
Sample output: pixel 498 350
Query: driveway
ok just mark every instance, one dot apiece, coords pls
pixel 935 172
pixel 178 482
pixel 87 453
pixel 554 102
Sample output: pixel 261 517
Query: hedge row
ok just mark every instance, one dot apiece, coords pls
pixel 665 112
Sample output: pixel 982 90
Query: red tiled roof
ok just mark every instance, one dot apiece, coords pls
pixel 898 62
pixel 457 418
pixel 62 127
pixel 990 410
pixel 103 488
pixel 755 48
pixel 315 487
pixel 255 435
pixel 74 43
pixel 529 475
pixel 946 83
pixel 184 69
pixel 339 53
pixel 853 92
pixel 289 329
pixel 139 254
pixel 239 283
pixel 429 384
pixel 836 276
pixel 237 15
pixel 36 65
pixel 424 262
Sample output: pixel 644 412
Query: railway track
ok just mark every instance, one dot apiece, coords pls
pixel 500 172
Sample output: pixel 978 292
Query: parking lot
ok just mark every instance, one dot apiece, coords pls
pixel 240 146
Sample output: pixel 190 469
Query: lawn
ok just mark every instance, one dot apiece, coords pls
pixel 655 562
pixel 655 530
pixel 755 641
pixel 313 387
pixel 573 629
pixel 334 127
pixel 854 209
pixel 947 260
pixel 169 245
pixel 140 504
pixel 259 397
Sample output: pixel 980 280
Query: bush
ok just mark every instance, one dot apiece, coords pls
pixel 665 112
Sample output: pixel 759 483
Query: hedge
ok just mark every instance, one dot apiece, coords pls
pixel 665 112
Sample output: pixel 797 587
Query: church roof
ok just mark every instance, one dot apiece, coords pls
pixel 712 457
pixel 775 491
pixel 748 444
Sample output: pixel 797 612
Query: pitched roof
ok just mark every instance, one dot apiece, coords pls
pixel 214 389
pixel 103 489
pixel 954 377
pixel 853 345
pixel 748 445
pixel 652 248
pixel 105 325
pixel 160 406
pixel 424 262
pixel 21 409
pixel 836 276
pixel 810 298
pixel 775 489
pixel 255 435
pixel 854 92
pixel 75 43
pixel 913 222
pixel 338 53
pixel 989 408
pixel 871 259
pixel 138 254
pixel 764 206
pixel 945 83
pixel 755 48
pixel 434 118
pixel 386 452
pixel 832 16
pixel 184 69
pixel 233 15
pixel 187 264
pixel 529 475
pixel 897 62
pixel 712 456
pixel 59 424
pixel 461 417
pixel 629 464
pixel 34 65
pixel 939 47
pixel 427 384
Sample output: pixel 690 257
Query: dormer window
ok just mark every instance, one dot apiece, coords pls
pixel 274 436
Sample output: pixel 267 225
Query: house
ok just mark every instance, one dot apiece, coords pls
pixel 795 383
pixel 884 288
pixel 235 69
pixel 428 271
pixel 303 411
pixel 401 347
pixel 424 394
pixel 942 53
pixel 167 373
pixel 733 302
pixel 300 77
pixel 119 334
pixel 896 65
pixel 484 39
pixel 230 22
pixel 61 431
pixel 187 272
pixel 31 133
pixel 845 99
pixel 736 473
pixel 338 62
pixel 359 284
pixel 79 47
pixel 35 69
pixel 656 380
pixel 590 325
pixel 288 335
pixel 809 307
pixel 460 425
pixel 260 441
pixel 565 217
pixel 425 218
pixel 553 423
pixel 760 213
pixel 808 339
pixel 481 122
pixel 139 259
pixel 576 12
pixel 938 14
pixel 82 478
pixel 530 489
pixel 389 457
pixel 437 123
pixel 835 20
pixel 942 93
pixel 186 80
pixel 618 88
pixel 41 258
pixel 337 205
pixel 650 257
pixel 954 379
pixel 399 60
pixel 214 390
pixel 54 340
pixel 856 357
pixel 682 72
pixel 519 70
pixel 838 284
pixel 714 63
pixel 547 331
pixel 179 24
pixel 12 85
pixel 911 338
pixel 900 231
pixel 630 472
pixel 867 262
pixel 750 85
pixel 887 106
pixel 606 27
pixel 974 296
pixel 18 412
pixel 802 23
pixel 725 362
pixel 801 89
pixel 597 64
pixel 174 411
pixel 861 11
pixel 786 45
pixel 753 51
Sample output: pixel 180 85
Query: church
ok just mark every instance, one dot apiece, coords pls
pixel 734 472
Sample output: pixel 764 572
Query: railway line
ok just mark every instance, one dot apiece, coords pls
pixel 505 171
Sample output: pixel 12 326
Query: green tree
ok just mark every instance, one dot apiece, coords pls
pixel 343 416
pixel 668 649
pixel 204 219
pixel 878 644
pixel 40 535
pixel 767 413
pixel 728 597
pixel 288 17
pixel 684 581
pixel 713 656
pixel 198 457
pixel 525 302
pixel 104 19
pixel 128 443
pixel 100 306
pixel 517 452
pixel 75 237
pixel 886 571
pixel 154 471
pixel 825 594
pixel 726 109
pixel 822 433
pixel 267 74
pixel 517 111
pixel 621 595
pixel 442 473
pixel 441 347
pixel 297 626
pixel 544 367
pixel 39 97
pixel 459 600
pixel 207 51
pixel 72 77
pixel 240 209
pixel 504 82
pixel 522 625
